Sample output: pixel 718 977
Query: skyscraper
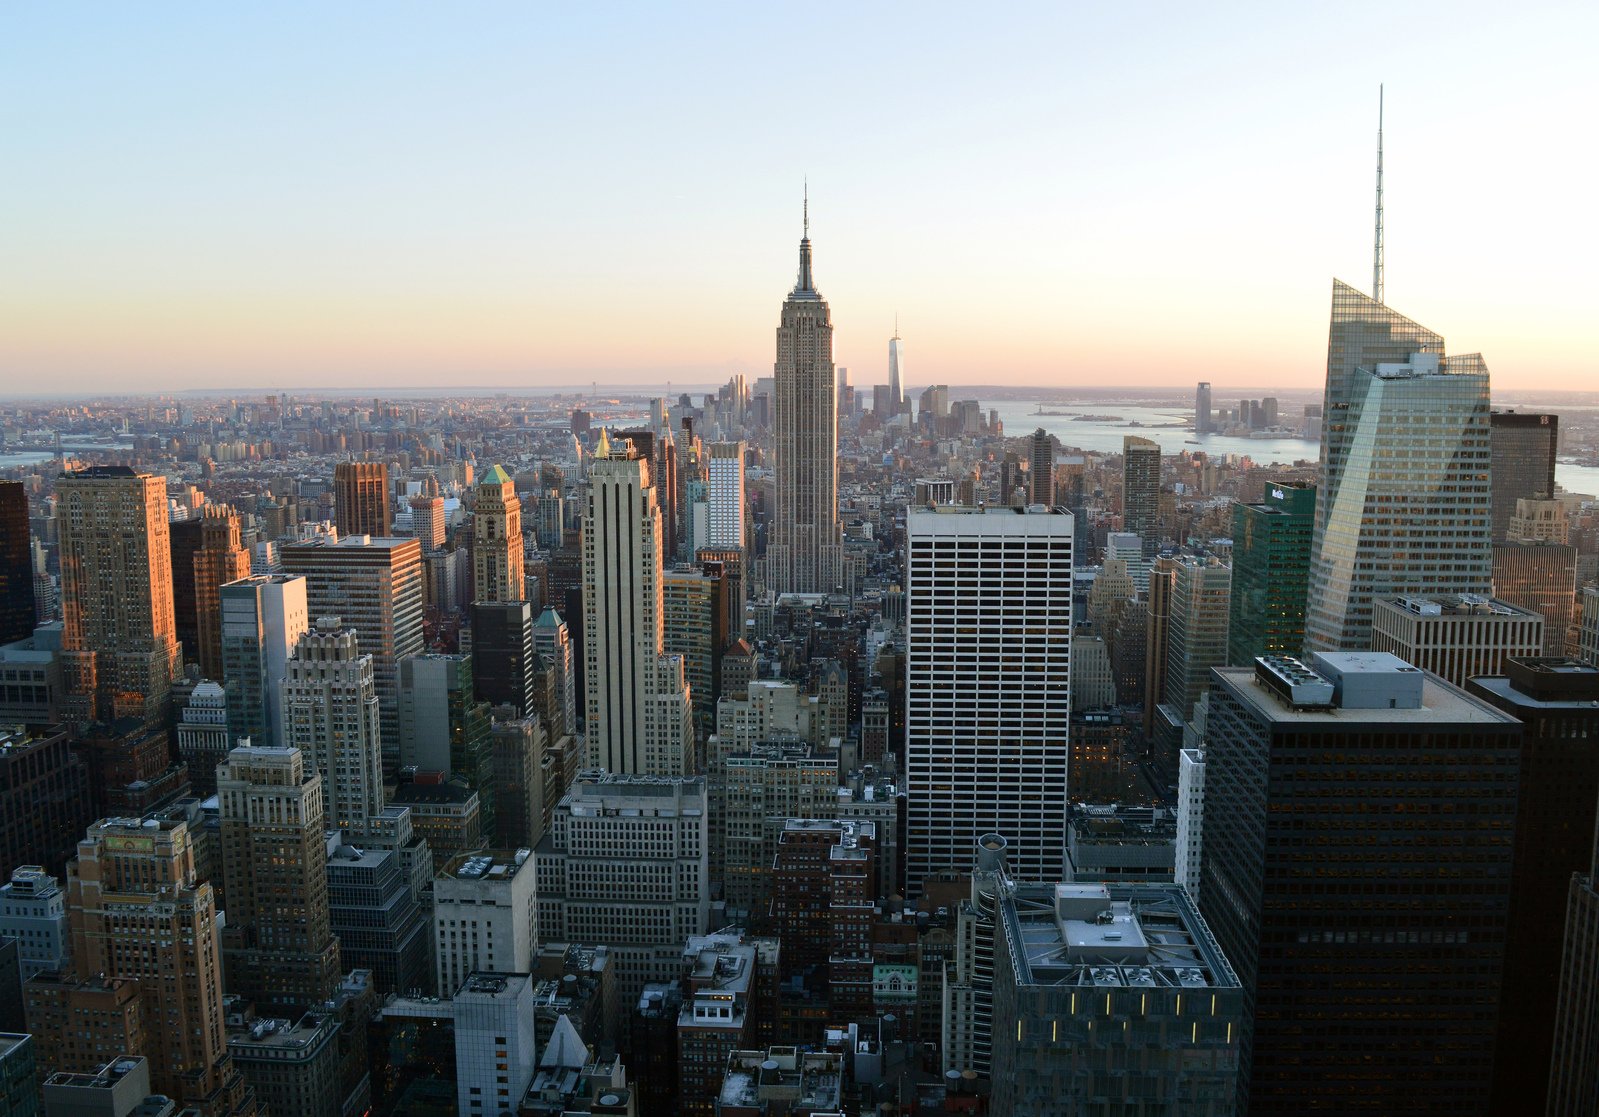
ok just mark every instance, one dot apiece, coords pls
pixel 1157 618
pixel 1454 636
pixel 203 738
pixel 896 372
pixel 1141 490
pixel 638 715
pixel 1041 470
pixel 1524 447
pixel 695 616
pixel 373 585
pixel 16 565
pixel 120 645
pixel 988 621
pixel 625 865
pixel 138 911
pixel 1403 502
pixel 277 944
pixel 1574 1067
pixel 1196 635
pixel 1202 408
pixel 444 727
pixel 330 714
pixel 554 645
pixel 1542 577
pixel 504 659
pixel 805 554
pixel 1557 702
pixel 220 559
pixel 263 618
pixel 725 495
pixel 1271 569
pixel 427 515
pixel 1337 797
pixel 497 539
pixel 361 499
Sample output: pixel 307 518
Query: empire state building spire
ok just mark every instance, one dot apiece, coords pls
pixel 805 284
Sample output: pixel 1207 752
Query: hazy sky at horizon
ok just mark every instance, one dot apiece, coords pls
pixel 298 194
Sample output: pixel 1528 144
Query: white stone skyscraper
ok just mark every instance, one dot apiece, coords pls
pixel 330 713
pixel 988 629
pixel 805 555
pixel 725 495
pixel 1404 504
pixel 638 717
pixel 896 370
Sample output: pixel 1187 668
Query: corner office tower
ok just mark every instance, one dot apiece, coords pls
pixel 805 555
pixel 1404 502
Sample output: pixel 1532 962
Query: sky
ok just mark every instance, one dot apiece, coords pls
pixel 363 194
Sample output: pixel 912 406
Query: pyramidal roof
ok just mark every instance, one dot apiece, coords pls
pixel 549 618
pixel 566 1048
pixel 496 476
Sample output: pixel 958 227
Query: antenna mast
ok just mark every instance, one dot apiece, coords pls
pixel 1376 252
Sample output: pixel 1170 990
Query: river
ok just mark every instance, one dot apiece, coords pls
pixel 1106 437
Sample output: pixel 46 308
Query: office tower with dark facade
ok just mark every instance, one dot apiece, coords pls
pixel 277 944
pixel 1356 871
pixel 361 499
pixel 373 585
pixel 1524 447
pixel 1557 702
pixel 1202 417
pixel 16 565
pixel 504 658
pixel 805 554
pixel 1405 458
pixel 1073 962
pixel 377 920
pixel 1041 470
pixel 1141 490
pixel 44 799
pixel 1271 570
pixel 1574 1067
pixel 445 728
pixel 120 646
pixel 988 621
pixel 1157 624
pixel 184 539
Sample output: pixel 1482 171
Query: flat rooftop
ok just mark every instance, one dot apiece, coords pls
pixel 488 865
pixel 1440 704
pixel 1500 686
pixel 1140 935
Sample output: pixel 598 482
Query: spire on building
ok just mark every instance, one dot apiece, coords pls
pixel 603 448
pixel 1376 252
pixel 805 283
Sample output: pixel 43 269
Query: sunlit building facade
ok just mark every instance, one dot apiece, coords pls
pixel 1404 503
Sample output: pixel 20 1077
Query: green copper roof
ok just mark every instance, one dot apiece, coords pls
pixel 496 476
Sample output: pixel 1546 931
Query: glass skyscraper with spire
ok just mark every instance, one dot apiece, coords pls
pixel 1404 500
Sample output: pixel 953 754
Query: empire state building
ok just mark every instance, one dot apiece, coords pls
pixel 805 555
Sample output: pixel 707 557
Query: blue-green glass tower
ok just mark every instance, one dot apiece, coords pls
pixel 1271 573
